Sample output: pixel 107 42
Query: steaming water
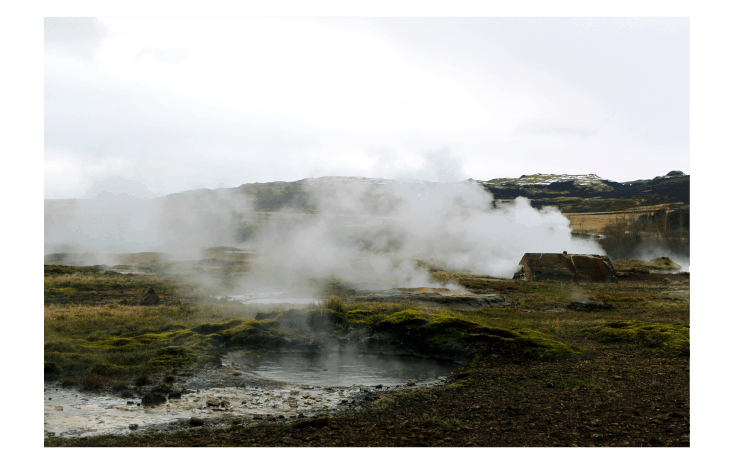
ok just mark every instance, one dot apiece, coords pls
pixel 309 389
pixel 268 298
pixel 69 413
pixel 342 370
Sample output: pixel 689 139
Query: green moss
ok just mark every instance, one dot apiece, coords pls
pixel 654 335
pixel 406 318
pixel 358 314
pixel 68 291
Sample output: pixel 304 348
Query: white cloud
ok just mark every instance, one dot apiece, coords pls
pixel 186 100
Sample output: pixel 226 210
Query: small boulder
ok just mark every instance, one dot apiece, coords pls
pixel 153 398
pixel 50 369
pixel 410 383
pixel 589 305
pixel 196 422
pixel 149 297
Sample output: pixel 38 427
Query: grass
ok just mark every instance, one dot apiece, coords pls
pixel 113 343
pixel 661 264
pixel 674 337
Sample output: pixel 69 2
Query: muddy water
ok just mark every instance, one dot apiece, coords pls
pixel 70 414
pixel 247 387
pixel 341 370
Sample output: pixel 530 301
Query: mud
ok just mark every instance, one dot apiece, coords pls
pixel 240 392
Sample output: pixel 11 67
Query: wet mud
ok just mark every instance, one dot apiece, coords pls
pixel 242 391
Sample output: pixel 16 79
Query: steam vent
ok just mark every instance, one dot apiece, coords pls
pixel 566 267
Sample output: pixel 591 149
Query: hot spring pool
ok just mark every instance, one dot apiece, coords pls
pixel 341 369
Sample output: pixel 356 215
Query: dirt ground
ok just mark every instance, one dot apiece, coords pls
pixel 609 398
pixel 612 395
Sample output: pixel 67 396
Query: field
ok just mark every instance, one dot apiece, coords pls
pixel 542 373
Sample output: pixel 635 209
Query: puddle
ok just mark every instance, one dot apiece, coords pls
pixel 74 414
pixel 268 298
pixel 341 370
pixel 289 385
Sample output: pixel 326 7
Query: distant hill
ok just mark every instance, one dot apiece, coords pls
pixel 570 193
pixel 590 193
pixel 225 216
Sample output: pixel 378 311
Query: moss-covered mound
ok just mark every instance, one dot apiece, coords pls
pixel 121 343
pixel 667 336
pixel 384 327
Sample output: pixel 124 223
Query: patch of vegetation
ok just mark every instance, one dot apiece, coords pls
pixel 635 265
pixel 63 269
pixel 653 335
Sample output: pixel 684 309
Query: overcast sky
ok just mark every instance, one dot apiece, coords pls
pixel 179 103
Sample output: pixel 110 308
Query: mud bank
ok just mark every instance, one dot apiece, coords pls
pixel 241 392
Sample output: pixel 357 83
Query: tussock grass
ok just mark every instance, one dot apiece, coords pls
pixel 103 281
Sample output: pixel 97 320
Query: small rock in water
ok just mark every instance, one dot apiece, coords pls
pixel 133 426
pixel 196 422
pixel 410 383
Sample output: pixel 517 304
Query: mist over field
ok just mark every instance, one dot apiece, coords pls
pixel 364 233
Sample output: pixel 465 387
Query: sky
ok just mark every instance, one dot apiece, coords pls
pixel 168 104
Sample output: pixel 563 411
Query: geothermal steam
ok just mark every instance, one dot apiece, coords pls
pixel 366 233
pixel 371 234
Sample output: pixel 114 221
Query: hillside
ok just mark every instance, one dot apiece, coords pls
pixel 570 193
pixel 590 193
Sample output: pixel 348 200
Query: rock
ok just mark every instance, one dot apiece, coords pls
pixel 176 394
pixel 196 422
pixel 50 369
pixel 212 402
pixel 410 383
pixel 149 297
pixel 153 398
pixel 133 426
pixel 318 422
pixel 589 305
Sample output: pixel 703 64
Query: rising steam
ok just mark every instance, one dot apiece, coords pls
pixel 365 233
pixel 369 234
